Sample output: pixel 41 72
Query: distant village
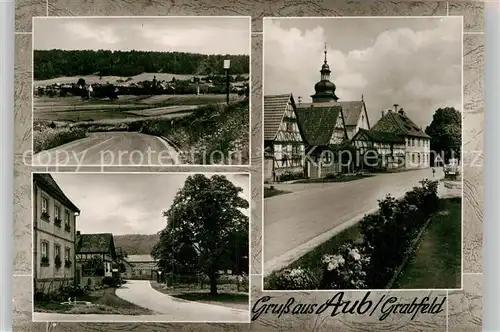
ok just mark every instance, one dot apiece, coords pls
pixel 210 84
pixel 327 127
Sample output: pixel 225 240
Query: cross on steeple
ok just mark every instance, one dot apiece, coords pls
pixel 325 52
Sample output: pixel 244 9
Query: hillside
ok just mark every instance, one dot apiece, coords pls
pixel 49 64
pixel 136 244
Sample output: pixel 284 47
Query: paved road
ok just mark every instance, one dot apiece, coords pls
pixel 294 220
pixel 168 309
pixel 110 148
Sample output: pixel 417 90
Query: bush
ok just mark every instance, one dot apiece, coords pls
pixel 111 282
pixel 388 234
pixel 332 176
pixel 346 269
pixel 289 176
pixel 51 137
pixel 292 279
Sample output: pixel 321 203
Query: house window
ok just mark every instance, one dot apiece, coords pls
pixel 45 249
pixel 57 212
pixel 67 226
pixel 57 250
pixel 45 204
pixel 44 259
pixel 67 254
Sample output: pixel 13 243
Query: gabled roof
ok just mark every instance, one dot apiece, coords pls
pixel 318 123
pixel 47 183
pixel 274 110
pixel 140 258
pixel 352 111
pixel 400 123
pixel 95 243
pixel 381 136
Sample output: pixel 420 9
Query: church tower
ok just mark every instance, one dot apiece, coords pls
pixel 325 90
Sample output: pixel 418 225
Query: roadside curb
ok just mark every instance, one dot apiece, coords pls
pixel 289 257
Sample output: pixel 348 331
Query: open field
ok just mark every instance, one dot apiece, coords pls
pixel 91 79
pixel 74 109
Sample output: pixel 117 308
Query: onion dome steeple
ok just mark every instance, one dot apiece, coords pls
pixel 325 90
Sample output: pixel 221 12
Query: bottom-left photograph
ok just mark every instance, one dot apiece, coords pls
pixel 141 247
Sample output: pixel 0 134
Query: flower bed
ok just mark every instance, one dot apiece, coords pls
pixel 386 239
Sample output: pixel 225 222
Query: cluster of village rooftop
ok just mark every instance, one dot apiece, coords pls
pixel 61 252
pixel 294 130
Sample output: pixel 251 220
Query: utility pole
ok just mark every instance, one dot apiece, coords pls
pixel 227 66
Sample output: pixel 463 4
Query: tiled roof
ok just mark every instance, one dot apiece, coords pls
pixel 400 123
pixel 352 111
pixel 274 110
pixel 45 181
pixel 381 136
pixel 95 243
pixel 318 123
pixel 140 258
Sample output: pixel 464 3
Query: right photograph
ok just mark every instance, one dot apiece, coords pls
pixel 362 153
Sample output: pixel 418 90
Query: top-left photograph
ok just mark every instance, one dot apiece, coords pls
pixel 141 91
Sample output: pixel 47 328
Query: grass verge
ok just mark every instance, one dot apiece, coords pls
pixel 341 178
pixel 47 138
pixel 436 262
pixel 104 301
pixel 271 191
pixel 227 295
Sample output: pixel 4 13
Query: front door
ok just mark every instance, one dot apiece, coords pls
pixel 78 276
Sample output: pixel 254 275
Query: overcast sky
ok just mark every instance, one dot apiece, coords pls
pixel 127 203
pixel 413 62
pixel 206 35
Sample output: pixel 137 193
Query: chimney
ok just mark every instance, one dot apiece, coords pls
pixel 299 98
pixel 401 111
pixel 395 107
pixel 383 113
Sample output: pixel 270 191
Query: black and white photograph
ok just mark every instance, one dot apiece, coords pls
pixel 362 153
pixel 141 247
pixel 141 91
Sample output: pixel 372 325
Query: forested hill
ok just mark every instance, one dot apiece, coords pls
pixel 136 244
pixel 56 63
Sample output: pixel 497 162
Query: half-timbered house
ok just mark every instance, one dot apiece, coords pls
pixel 283 145
pixel 393 142
pixel 379 149
pixel 417 142
pixel 323 129
pixel 143 267
pixel 96 258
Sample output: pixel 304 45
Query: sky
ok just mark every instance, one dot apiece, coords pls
pixel 127 203
pixel 206 35
pixel 413 62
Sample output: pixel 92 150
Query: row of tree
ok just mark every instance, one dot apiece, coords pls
pixel 56 63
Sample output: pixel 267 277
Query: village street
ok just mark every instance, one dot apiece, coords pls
pixel 110 148
pixel 168 308
pixel 296 222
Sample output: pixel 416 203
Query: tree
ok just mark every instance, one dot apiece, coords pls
pixel 445 131
pixel 81 82
pixel 206 229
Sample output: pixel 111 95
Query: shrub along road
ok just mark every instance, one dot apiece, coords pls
pixel 110 148
pixel 295 223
